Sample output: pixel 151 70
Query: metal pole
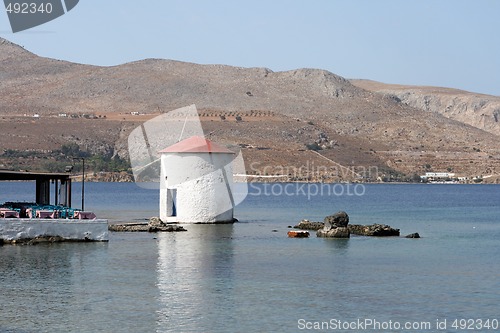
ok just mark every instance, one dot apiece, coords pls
pixel 83 184
pixel 83 180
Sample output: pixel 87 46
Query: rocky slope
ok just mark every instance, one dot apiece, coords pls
pixel 283 121
pixel 478 110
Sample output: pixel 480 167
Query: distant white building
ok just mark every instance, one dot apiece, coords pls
pixel 196 184
pixel 437 176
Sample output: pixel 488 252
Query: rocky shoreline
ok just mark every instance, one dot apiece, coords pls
pixel 127 177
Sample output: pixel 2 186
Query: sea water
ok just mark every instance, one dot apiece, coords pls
pixel 250 277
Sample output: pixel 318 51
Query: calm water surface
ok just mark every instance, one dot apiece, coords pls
pixel 249 277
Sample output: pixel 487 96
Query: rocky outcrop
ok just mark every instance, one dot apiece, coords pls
pixel 335 226
pixel 339 219
pixel 379 230
pixel 341 232
pixel 479 110
pixel 309 225
pixel 154 225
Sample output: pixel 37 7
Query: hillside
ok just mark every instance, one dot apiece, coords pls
pixel 478 110
pixel 286 120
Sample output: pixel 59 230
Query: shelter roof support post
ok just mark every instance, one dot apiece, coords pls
pixel 65 193
pixel 43 191
pixel 56 191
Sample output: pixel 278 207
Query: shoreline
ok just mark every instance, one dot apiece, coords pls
pixel 76 180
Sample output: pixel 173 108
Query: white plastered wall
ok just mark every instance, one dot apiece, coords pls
pixel 204 187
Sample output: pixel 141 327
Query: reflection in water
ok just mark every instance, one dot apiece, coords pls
pixel 341 245
pixel 80 287
pixel 195 278
pixel 40 284
pixel 24 271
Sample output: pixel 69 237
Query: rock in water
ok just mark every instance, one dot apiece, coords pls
pixel 340 232
pixel 156 224
pixel 413 235
pixel 339 219
pixel 380 230
pixel 335 226
pixel 308 225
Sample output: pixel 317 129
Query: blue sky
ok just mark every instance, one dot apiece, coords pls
pixel 450 43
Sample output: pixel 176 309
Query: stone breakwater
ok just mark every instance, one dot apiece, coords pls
pixel 337 226
pixel 154 225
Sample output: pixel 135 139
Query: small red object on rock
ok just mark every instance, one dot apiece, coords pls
pixel 298 234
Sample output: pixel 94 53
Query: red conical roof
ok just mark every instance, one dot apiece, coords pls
pixel 196 144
